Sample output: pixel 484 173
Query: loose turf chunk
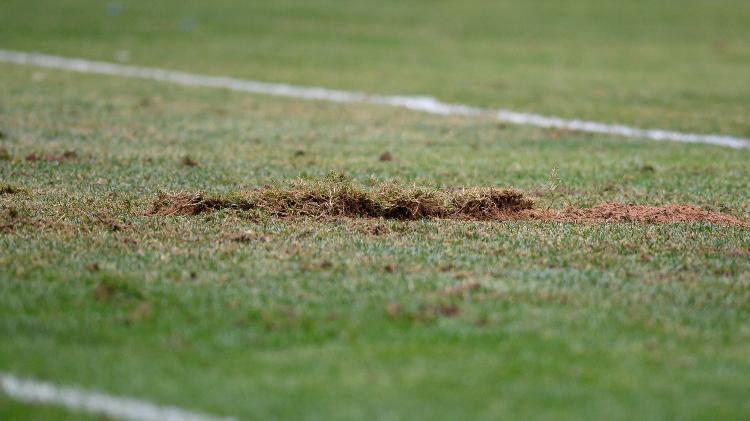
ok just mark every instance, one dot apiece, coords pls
pixel 334 196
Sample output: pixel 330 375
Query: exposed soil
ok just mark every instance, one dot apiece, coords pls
pixel 617 212
pixel 336 198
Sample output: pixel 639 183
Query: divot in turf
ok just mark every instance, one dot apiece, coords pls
pixel 340 197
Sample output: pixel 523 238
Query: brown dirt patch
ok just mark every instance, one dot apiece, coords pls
pixel 618 212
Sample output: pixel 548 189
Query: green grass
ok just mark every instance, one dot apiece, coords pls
pixel 341 318
pixel 668 64
pixel 11 410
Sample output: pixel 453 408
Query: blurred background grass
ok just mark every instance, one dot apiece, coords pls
pixel 669 64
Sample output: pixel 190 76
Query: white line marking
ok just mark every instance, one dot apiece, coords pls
pixel 418 103
pixel 32 391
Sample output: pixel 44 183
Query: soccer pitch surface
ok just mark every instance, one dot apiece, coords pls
pixel 255 315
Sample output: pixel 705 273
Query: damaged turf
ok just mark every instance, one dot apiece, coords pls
pixel 337 197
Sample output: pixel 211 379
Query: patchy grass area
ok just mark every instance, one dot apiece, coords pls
pixel 277 313
pixel 261 316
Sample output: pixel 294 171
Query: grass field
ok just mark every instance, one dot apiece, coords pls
pixel 254 316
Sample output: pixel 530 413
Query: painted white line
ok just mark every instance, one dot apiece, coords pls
pixel 418 103
pixel 32 391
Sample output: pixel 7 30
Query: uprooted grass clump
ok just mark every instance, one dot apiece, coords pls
pixel 339 196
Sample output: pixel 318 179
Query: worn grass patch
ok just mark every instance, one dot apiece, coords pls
pixel 339 196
